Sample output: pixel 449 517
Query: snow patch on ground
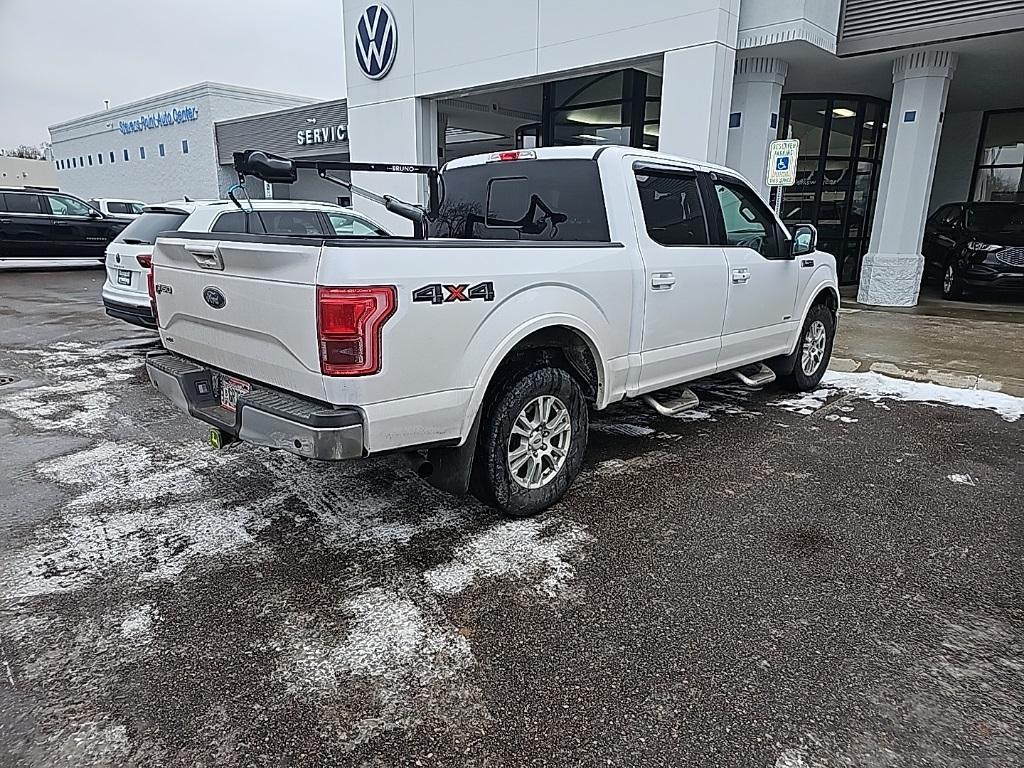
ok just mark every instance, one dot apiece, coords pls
pixel 804 404
pixel 961 479
pixel 416 665
pixel 536 552
pixel 82 386
pixel 137 624
pixel 876 387
pixel 73 550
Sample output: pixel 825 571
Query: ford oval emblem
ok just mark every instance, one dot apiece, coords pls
pixel 214 297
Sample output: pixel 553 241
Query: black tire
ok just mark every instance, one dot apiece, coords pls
pixel 493 482
pixel 952 281
pixel 799 380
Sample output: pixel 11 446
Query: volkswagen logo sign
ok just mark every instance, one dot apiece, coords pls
pixel 214 297
pixel 376 41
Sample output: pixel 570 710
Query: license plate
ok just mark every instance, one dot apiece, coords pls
pixel 124 277
pixel 230 389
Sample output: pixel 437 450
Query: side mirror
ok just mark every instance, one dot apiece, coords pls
pixel 94 214
pixel 805 241
pixel 266 167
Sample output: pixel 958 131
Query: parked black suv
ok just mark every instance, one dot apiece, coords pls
pixel 975 247
pixel 40 224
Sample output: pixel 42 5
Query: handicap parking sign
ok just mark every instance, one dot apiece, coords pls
pixel 782 156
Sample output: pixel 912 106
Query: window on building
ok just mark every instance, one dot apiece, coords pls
pixel 162 152
pixel 90 160
pixel 74 162
pixel 142 153
pixel 99 157
pixel 999 175
pixel 126 155
pixel 111 158
pixel 81 162
pixel 67 206
pixel 748 222
pixel 184 146
pixel 60 165
pixel 621 107
pixel 672 208
pixel 22 203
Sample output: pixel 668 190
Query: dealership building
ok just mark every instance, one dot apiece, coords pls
pixel 899 108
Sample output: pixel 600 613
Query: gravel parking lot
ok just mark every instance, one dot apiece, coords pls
pixel 817 581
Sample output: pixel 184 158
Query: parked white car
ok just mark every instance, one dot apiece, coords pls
pixel 128 257
pixel 122 209
pixel 571 278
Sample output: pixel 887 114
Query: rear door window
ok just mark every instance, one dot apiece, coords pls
pixel 672 208
pixel 347 225
pixel 558 200
pixel 144 230
pixel 239 222
pixel 292 223
pixel 21 203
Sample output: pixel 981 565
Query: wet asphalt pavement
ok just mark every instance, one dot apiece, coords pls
pixel 814 582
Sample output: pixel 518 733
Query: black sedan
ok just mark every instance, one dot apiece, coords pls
pixel 975 247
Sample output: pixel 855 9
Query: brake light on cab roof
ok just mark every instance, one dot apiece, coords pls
pixel 517 154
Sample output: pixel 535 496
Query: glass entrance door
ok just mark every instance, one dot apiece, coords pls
pixel 841 143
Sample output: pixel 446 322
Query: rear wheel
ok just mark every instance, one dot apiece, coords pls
pixel 532 439
pixel 813 351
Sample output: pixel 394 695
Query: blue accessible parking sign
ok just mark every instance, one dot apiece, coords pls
pixel 782 156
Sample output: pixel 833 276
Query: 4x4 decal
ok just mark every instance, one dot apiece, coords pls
pixel 436 293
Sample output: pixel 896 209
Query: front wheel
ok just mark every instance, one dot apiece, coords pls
pixel 532 439
pixel 814 350
pixel 952 281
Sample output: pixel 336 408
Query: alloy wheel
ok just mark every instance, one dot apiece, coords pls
pixel 539 443
pixel 815 339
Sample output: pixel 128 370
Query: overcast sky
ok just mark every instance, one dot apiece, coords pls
pixel 60 59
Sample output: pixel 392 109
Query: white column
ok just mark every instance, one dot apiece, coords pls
pixel 400 131
pixel 695 90
pixel 891 274
pixel 756 93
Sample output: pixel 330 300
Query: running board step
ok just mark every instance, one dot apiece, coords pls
pixel 755 375
pixel 687 401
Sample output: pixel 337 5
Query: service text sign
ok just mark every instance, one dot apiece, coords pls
pixel 782 157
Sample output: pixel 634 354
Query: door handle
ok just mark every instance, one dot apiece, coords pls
pixel 662 281
pixel 206 256
pixel 741 276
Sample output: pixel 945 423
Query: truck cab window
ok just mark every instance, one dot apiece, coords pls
pixel 748 222
pixel 673 214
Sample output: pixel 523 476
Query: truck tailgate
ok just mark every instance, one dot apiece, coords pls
pixel 247 308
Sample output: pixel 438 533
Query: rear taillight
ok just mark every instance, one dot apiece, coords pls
pixel 151 287
pixel 349 322
pixel 145 260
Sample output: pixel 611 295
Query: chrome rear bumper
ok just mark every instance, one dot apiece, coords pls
pixel 262 416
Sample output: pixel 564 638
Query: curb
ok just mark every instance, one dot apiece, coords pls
pixel 946 378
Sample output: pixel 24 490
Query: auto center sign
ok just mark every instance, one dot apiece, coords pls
pixel 174 116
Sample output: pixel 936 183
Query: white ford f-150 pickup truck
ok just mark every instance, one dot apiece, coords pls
pixel 542 284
